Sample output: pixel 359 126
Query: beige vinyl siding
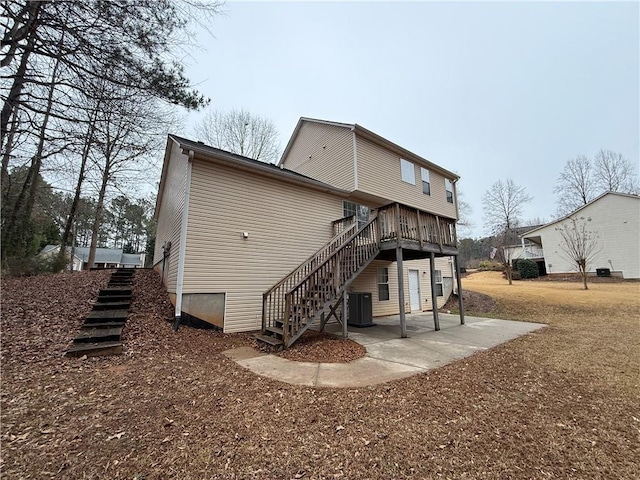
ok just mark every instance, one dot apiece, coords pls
pixel 367 282
pixel 170 214
pixel 379 174
pixel 286 223
pixel 331 151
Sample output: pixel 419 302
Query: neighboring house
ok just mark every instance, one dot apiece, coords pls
pixel 615 219
pixel 105 257
pixel 246 245
pixel 519 248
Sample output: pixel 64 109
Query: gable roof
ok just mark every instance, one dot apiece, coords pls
pixel 562 219
pixel 373 137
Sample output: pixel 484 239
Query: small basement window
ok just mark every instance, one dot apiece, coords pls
pixel 408 171
pixel 383 284
pixel 426 182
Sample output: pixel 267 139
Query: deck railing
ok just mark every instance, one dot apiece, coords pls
pixel 400 222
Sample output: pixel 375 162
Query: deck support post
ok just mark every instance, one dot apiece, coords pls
pixel 403 320
pixel 345 298
pixel 459 282
pixel 434 297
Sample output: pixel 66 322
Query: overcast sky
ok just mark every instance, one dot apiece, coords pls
pixel 488 90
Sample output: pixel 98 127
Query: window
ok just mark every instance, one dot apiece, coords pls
pixel 360 211
pixel 439 291
pixel 426 185
pixel 383 284
pixel 408 171
pixel 449 188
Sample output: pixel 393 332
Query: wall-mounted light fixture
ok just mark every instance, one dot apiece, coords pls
pixel 245 235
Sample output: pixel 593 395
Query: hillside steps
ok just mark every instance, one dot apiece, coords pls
pixel 101 332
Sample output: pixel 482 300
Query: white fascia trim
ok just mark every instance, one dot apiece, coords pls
pixel 355 160
pixel 183 238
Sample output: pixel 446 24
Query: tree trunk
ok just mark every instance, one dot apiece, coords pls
pixel 88 141
pixel 13 99
pixel 98 220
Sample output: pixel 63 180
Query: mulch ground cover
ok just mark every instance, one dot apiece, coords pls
pixel 173 407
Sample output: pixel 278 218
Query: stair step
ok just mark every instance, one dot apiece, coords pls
pixel 106 315
pixel 111 306
pixel 270 340
pixel 113 298
pixel 95 349
pixel 104 324
pixel 275 330
pixel 90 335
pixel 123 290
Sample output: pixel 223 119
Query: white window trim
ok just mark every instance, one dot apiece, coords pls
pixel 426 177
pixel 378 283
pixel 407 171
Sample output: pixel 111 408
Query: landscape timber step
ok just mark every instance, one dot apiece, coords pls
pixel 113 298
pixel 92 335
pixel 111 306
pixel 107 315
pixel 100 324
pixel 270 340
pixel 114 291
pixel 95 349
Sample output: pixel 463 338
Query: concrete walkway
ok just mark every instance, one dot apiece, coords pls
pixel 388 356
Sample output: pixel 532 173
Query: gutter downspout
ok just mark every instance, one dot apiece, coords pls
pixel 183 245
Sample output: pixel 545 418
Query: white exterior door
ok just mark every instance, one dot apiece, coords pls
pixel 414 290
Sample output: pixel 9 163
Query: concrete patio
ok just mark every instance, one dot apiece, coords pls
pixel 390 357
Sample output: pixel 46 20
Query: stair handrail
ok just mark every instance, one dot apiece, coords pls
pixel 273 300
pixel 331 243
pixel 331 265
pixel 373 218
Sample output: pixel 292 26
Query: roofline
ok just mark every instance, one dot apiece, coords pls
pixel 163 177
pixel 375 138
pixel 248 164
pixel 566 217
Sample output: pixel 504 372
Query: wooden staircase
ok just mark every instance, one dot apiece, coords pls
pixel 313 291
pixel 102 329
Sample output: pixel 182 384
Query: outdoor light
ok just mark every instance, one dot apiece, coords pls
pixel 245 235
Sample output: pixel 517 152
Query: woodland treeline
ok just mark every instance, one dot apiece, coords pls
pixel 89 89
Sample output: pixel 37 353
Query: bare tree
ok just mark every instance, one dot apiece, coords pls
pixel 583 179
pixel 579 245
pixel 575 186
pixel 502 210
pixel 241 132
pixel 614 173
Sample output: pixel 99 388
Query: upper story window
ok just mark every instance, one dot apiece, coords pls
pixel 426 182
pixel 448 185
pixel 408 171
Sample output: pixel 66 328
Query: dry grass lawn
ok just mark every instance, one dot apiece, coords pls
pixel 560 403
pixel 594 331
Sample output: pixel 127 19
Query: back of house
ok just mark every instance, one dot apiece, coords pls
pixel 232 229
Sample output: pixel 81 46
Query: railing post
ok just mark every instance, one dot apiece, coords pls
pixel 397 222
pixel 419 228
pixel 439 230
pixel 434 297
pixel 285 319
pixel 264 312
pixel 459 282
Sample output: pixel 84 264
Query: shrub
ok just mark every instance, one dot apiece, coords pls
pixel 29 266
pixel 527 268
pixel 491 266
